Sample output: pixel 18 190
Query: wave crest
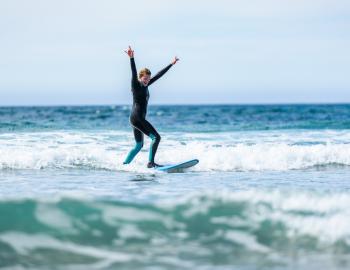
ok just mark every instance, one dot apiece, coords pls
pixel 216 152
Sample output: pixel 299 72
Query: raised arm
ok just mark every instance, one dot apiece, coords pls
pixel 163 71
pixel 133 70
pixel 130 53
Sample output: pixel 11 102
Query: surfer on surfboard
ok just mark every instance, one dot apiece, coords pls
pixel 139 88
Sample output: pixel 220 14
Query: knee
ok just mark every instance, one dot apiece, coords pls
pixel 155 137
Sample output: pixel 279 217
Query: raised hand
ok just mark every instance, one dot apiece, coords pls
pixel 129 52
pixel 175 60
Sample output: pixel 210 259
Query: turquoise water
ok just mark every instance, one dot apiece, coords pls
pixel 271 190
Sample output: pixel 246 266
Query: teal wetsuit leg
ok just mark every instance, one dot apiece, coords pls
pixel 133 152
pixel 154 146
pixel 139 143
pixel 150 155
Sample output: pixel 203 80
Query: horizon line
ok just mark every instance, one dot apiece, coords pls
pixel 179 104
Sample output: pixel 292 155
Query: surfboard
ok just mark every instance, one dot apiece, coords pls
pixel 177 167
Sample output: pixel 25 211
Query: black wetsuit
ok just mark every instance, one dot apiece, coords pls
pixel 138 114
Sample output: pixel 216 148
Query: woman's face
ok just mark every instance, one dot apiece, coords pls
pixel 145 79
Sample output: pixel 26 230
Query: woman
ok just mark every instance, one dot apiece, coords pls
pixel 139 88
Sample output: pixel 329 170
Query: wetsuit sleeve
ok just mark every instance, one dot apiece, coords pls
pixel 159 74
pixel 133 70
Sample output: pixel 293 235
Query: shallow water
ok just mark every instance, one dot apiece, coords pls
pixel 271 190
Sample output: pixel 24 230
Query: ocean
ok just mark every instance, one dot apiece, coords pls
pixel 271 190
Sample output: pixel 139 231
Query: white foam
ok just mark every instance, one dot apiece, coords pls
pixel 247 240
pixel 24 243
pixel 51 216
pixel 325 216
pixel 230 151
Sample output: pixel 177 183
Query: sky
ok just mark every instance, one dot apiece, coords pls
pixel 231 51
